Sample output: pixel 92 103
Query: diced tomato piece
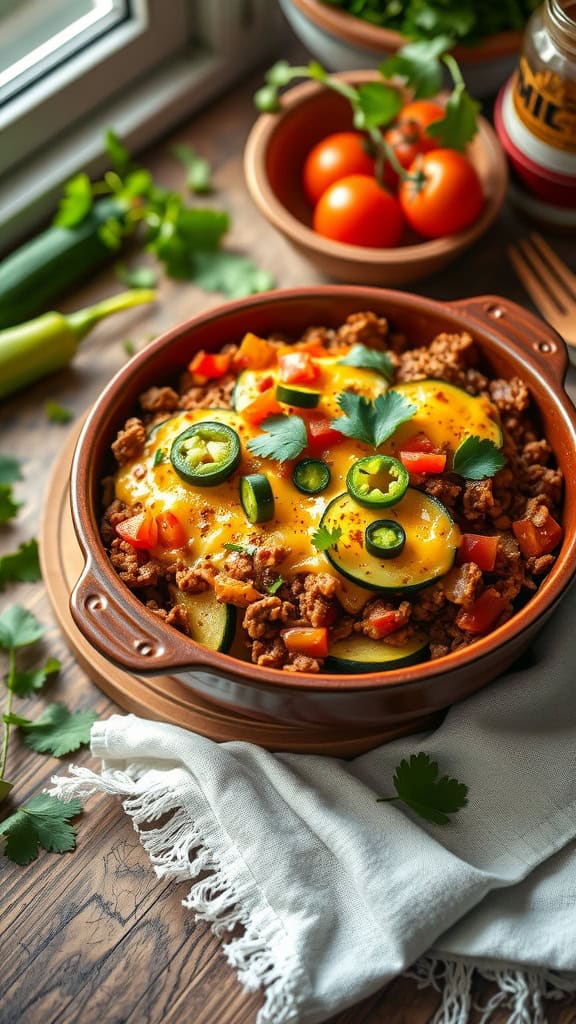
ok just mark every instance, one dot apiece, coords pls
pixel 306 640
pixel 537 540
pixel 321 435
pixel 419 442
pixel 298 368
pixel 265 383
pixel 479 549
pixel 386 623
pixel 263 406
pixel 209 365
pixel 423 462
pixel 141 531
pixel 255 353
pixel 483 614
pixel 170 531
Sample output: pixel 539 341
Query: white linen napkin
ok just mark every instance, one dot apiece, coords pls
pixel 337 894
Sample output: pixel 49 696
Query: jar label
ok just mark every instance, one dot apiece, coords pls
pixel 546 105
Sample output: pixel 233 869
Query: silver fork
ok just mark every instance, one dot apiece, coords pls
pixel 549 282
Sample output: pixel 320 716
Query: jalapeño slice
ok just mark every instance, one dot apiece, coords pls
pixel 311 476
pixel 256 498
pixel 206 453
pixel 385 538
pixel 377 481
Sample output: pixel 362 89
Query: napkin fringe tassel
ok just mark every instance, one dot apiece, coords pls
pixel 227 897
pixel 522 992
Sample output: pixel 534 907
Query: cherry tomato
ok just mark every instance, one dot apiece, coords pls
pixel 358 211
pixel 447 199
pixel 407 140
pixel 333 158
pixel 423 113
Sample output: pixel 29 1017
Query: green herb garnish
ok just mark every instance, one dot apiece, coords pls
pixel 8 507
pixel 365 358
pixel 159 457
pixel 57 413
pixel 230 273
pixel 41 822
pixel 372 422
pixel 22 566
pixel 242 549
pixel 418 786
pixel 129 346
pixel 275 587
pixel 322 538
pixel 58 732
pixel 10 470
pixel 136 277
pixel 198 170
pixel 283 439
pixel 477 458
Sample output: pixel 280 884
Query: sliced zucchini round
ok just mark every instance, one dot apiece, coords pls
pixel 246 388
pixel 256 498
pixel 359 654
pixel 301 398
pixel 432 540
pixel 446 414
pixel 210 622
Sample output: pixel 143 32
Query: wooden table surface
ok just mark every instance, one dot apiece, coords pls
pixel 93 936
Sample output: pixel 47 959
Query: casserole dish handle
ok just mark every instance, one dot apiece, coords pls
pixel 523 330
pixel 115 626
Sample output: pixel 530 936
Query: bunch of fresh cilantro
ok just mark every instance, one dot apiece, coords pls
pixel 466 21
pixel 185 239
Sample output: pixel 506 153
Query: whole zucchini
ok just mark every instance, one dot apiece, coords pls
pixel 53 261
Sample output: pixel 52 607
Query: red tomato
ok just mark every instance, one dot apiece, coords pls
pixel 298 368
pixel 480 549
pixel 537 540
pixel 407 139
pixel 170 531
pixel 321 435
pixel 423 113
pixel 306 640
pixel 483 614
pixel 448 198
pixel 209 365
pixel 335 157
pixel 141 531
pixel 423 462
pixel 357 211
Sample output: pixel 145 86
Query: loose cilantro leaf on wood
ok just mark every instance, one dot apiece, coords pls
pixel 57 413
pixel 8 507
pixel 76 202
pixel 229 272
pixel 366 358
pixel 418 786
pixel 418 64
pixel 59 731
pixel 477 458
pixel 322 538
pixel 42 822
pixel 283 439
pixel 198 170
pixel 136 277
pixel 22 566
pixel 9 470
pixel 372 422
pixel 25 683
pixel 19 628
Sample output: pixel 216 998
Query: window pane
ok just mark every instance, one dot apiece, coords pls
pixel 37 35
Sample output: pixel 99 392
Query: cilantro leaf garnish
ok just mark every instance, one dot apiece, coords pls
pixel 9 470
pixel 19 628
pixel 25 683
pixel 283 439
pixel 322 538
pixel 366 358
pixel 22 566
pixel 58 732
pixel 198 170
pixel 242 549
pixel 8 507
pixel 230 273
pixel 159 457
pixel 57 413
pixel 418 786
pixel 42 822
pixel 275 587
pixel 477 458
pixel 372 422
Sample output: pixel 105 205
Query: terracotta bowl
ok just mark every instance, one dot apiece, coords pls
pixel 273 159
pixel 120 627
pixel 343 42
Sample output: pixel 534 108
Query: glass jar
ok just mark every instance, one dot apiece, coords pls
pixel 544 91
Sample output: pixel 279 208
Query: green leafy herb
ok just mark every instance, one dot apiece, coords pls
pixel 8 507
pixel 418 786
pixel 198 170
pixel 377 105
pixel 460 123
pixel 57 413
pixel 419 65
pixel 25 683
pixel 76 202
pixel 59 731
pixel 477 458
pixel 129 346
pixel 275 587
pixel 42 822
pixel 372 422
pixel 116 150
pixel 242 549
pixel 136 277
pixel 283 439
pixel 159 457
pixel 5 788
pixel 19 628
pixel 322 538
pixel 9 470
pixel 230 273
pixel 22 566
pixel 369 359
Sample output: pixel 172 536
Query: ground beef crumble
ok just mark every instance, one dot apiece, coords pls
pixel 529 487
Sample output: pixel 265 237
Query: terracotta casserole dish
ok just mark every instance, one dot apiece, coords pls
pixel 118 625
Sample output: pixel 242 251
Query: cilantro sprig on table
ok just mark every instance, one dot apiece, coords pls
pixel 477 458
pixel 283 438
pixel 372 422
pixel 44 821
pixel 10 473
pixel 417 785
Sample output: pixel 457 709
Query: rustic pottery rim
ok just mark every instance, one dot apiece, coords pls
pixel 550 367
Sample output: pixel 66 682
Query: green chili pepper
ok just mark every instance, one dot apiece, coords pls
pixel 385 538
pixel 377 481
pixel 48 343
pixel 206 453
